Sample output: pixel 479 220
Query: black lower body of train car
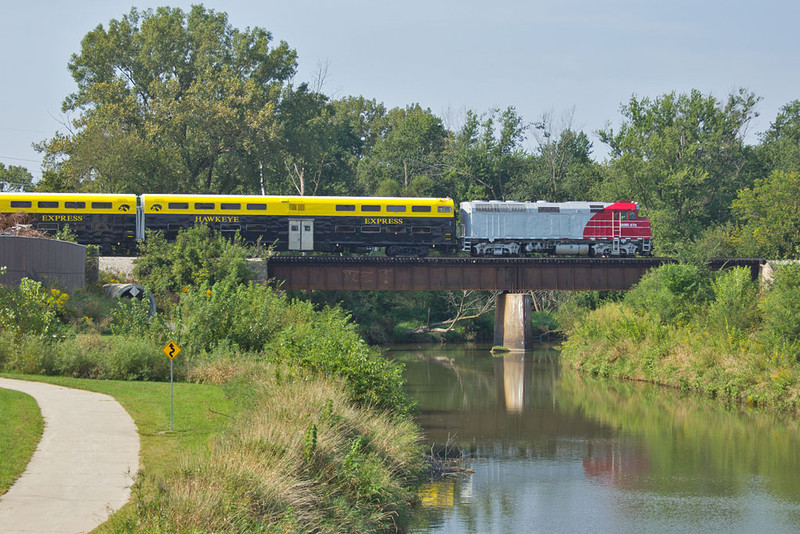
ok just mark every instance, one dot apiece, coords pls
pixel 113 233
pixel 411 236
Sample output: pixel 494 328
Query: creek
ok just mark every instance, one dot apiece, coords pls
pixel 551 450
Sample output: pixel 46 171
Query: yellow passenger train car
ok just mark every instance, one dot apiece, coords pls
pixel 407 226
pixel 107 220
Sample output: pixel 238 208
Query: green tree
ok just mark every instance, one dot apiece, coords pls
pixel 770 212
pixel 780 145
pixel 365 120
pixel 485 158
pixel 14 178
pixel 318 144
pixel 406 156
pixel 683 157
pixel 171 101
pixel 561 166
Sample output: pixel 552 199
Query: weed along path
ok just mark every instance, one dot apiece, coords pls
pixel 82 469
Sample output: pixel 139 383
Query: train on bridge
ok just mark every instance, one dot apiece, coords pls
pixel 395 225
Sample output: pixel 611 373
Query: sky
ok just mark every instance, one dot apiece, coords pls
pixel 582 59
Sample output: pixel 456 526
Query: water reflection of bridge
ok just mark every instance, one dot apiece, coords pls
pixel 515 400
pixel 504 416
pixel 520 416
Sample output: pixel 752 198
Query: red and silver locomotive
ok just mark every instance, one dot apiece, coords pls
pixel 498 228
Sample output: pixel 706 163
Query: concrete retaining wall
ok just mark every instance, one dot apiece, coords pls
pixel 59 263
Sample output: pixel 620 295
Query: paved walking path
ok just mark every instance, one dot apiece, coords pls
pixel 82 469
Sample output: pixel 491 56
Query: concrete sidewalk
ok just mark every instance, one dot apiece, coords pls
pixel 82 469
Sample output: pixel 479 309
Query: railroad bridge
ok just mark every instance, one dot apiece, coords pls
pixel 513 276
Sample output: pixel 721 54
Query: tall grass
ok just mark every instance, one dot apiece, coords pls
pixel 300 458
pixel 729 340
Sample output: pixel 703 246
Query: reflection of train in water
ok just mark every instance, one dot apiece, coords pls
pixel 399 226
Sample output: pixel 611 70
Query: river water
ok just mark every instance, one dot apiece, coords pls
pixel 555 451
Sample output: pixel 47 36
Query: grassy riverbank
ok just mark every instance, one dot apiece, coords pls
pixel 720 335
pixel 286 420
pixel 22 425
pixel 267 450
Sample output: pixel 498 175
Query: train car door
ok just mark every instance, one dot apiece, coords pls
pixel 301 234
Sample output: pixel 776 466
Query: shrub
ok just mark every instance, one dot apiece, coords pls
pixel 735 301
pixel 23 354
pixel 132 318
pixel 90 356
pixel 246 316
pixel 31 309
pixel 326 342
pixel 674 292
pixel 198 256
pixel 780 305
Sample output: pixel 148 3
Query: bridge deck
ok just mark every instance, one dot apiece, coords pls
pixel 504 274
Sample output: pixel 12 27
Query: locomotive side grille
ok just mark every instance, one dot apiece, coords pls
pixel 499 207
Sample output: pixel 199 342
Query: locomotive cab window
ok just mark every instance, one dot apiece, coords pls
pixel 631 215
pixel 445 209
pixel 74 205
pixel 20 203
pixel 46 204
pixel 395 208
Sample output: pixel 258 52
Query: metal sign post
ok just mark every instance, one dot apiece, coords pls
pixel 171 350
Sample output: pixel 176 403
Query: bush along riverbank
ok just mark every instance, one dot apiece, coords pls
pixel 719 334
pixel 320 436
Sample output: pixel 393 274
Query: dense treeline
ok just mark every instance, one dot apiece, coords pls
pixel 174 101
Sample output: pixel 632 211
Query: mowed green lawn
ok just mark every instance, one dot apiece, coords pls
pixel 20 429
pixel 200 412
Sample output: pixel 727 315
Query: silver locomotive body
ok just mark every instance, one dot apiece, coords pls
pixel 512 228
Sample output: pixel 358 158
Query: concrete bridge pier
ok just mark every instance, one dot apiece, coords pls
pixel 512 321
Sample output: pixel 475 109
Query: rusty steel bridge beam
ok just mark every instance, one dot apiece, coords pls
pixel 500 274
